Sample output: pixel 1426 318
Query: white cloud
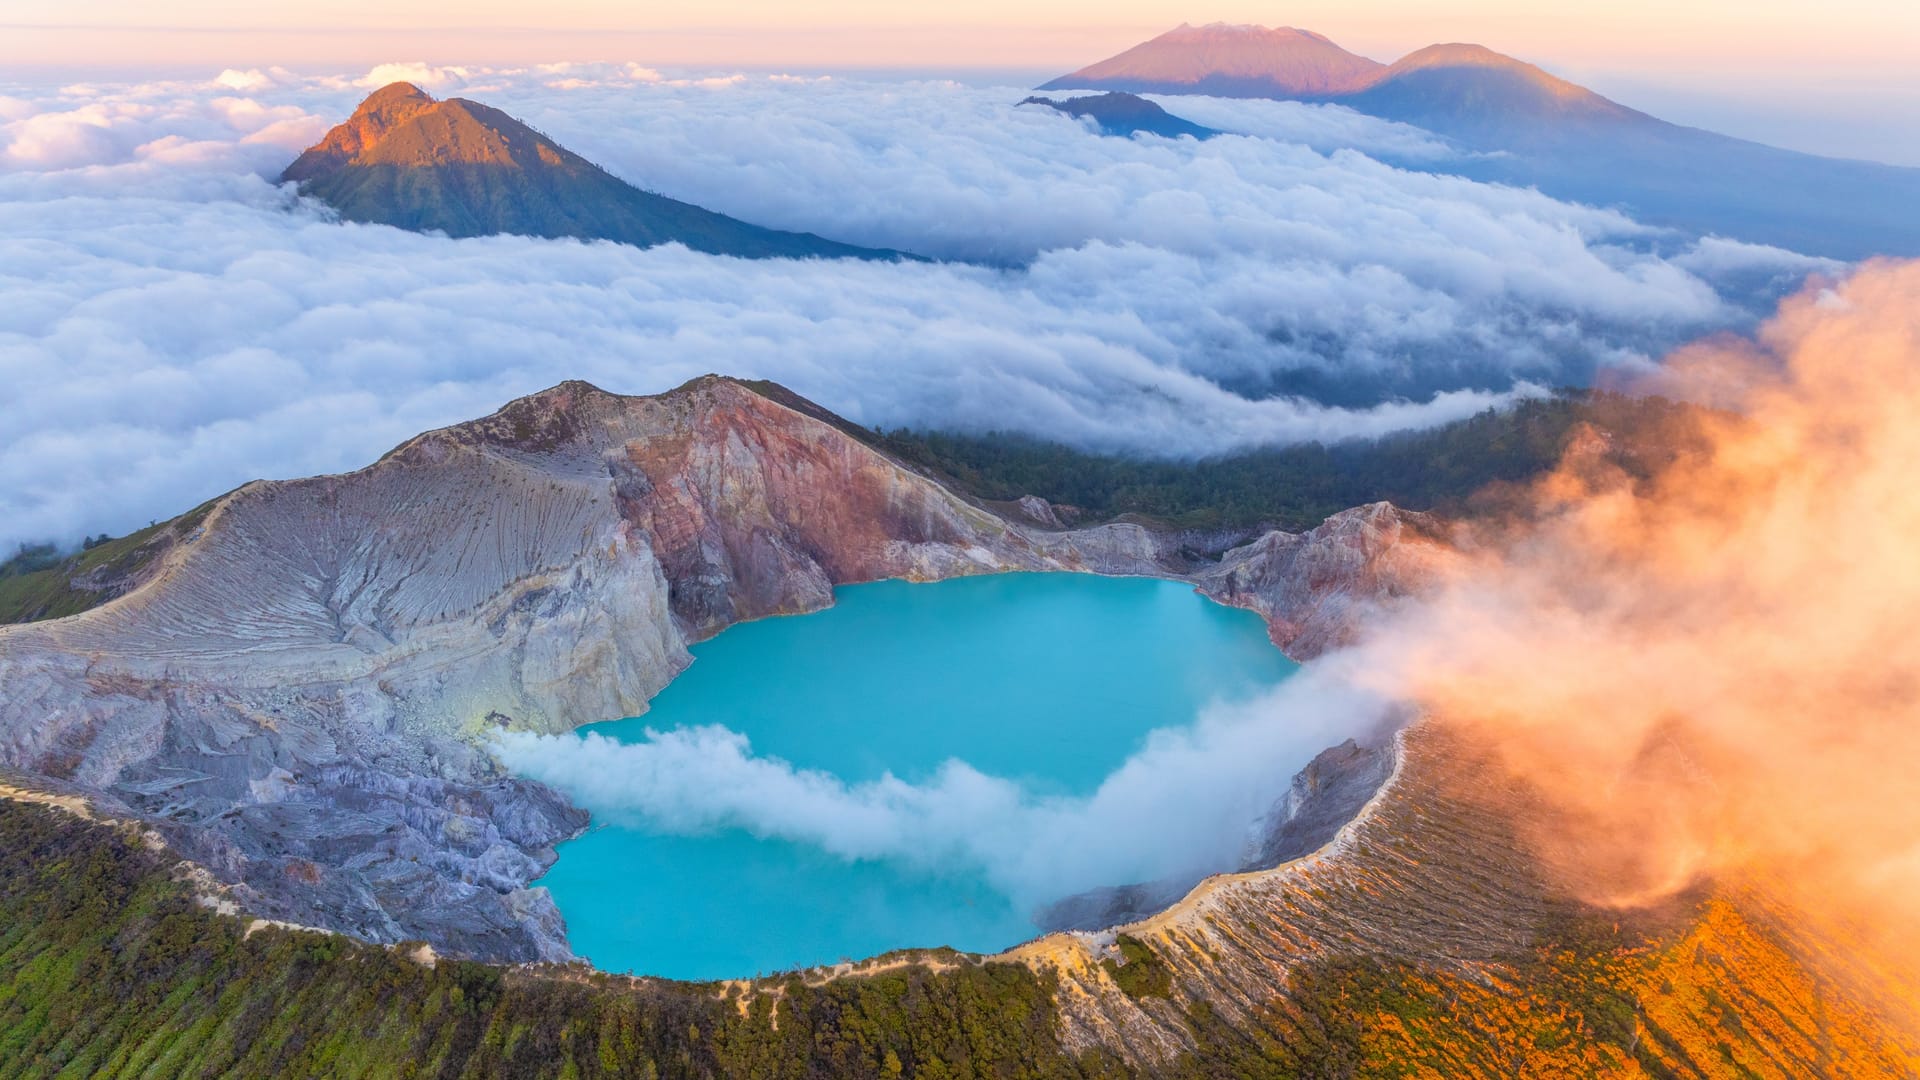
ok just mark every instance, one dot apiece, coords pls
pixel 252 79
pixel 430 77
pixel 1323 127
pixel 1716 257
pixel 176 325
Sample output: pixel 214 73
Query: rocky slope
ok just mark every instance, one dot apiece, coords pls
pixel 1428 939
pixel 296 693
pixel 466 169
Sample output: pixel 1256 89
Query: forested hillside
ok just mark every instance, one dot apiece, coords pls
pixel 1297 487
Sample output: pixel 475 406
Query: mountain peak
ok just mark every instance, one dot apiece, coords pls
pixel 1470 91
pixel 467 169
pixel 1457 89
pixel 391 97
pixel 1223 30
pixel 1466 55
pixel 385 109
pixel 401 125
pixel 1229 59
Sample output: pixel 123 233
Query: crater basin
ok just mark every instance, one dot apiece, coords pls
pixel 1047 681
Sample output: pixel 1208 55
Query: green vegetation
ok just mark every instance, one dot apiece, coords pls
pixel 109 969
pixel 38 582
pixel 1295 487
pixel 1141 973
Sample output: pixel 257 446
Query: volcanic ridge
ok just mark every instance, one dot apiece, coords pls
pixel 466 169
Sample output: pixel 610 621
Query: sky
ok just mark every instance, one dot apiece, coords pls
pixel 1832 78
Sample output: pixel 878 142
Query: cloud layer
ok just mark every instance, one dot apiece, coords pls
pixel 176 325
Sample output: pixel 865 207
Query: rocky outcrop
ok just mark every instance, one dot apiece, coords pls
pixel 1322 799
pixel 1314 588
pixel 298 691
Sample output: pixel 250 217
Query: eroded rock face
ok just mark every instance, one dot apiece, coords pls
pixel 1315 588
pixel 299 694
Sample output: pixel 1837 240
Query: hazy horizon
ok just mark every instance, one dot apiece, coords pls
pixel 1841 84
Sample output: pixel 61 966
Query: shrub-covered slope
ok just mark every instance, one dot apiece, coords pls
pixel 109 967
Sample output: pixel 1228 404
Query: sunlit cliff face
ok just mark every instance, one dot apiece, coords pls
pixel 1716 670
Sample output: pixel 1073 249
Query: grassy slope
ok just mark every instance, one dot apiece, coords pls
pixel 92 577
pixel 108 969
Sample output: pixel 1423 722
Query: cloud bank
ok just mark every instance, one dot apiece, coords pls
pixel 1713 673
pixel 176 325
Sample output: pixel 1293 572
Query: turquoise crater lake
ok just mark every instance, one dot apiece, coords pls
pixel 1049 680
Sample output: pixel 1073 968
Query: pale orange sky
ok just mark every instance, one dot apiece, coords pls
pixel 1837 77
pixel 1643 36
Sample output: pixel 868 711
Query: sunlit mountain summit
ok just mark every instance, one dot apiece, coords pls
pixel 467 169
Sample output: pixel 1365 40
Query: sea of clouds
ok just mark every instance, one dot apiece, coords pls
pixel 173 323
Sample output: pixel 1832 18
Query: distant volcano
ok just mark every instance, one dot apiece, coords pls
pixel 1474 93
pixel 1529 128
pixel 466 169
pixel 1227 61
pixel 1442 87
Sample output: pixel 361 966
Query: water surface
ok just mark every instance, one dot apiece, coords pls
pixel 1052 679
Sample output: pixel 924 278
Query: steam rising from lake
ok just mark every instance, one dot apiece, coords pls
pixel 1184 804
